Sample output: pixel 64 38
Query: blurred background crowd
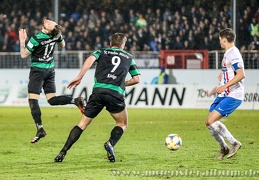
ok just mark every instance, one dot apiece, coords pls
pixel 150 25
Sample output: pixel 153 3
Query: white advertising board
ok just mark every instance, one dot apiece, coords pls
pixel 194 89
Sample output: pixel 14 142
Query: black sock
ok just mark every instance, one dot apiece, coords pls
pixel 60 100
pixel 35 112
pixel 116 134
pixel 74 135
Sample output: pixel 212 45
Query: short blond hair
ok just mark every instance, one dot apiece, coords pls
pixel 118 39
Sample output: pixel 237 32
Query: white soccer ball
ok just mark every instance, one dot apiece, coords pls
pixel 173 141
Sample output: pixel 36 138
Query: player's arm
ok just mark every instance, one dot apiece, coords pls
pixel 240 74
pixel 61 44
pixel 134 80
pixel 86 66
pixel 135 74
pixel 23 50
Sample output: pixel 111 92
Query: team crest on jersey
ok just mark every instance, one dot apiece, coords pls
pixel 224 64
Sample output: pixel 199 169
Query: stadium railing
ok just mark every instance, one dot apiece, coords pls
pixel 144 60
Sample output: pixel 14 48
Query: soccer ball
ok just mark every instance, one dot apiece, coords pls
pixel 173 141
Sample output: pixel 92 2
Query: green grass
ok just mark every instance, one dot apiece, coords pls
pixel 140 150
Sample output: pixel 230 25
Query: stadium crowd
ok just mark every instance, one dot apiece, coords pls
pixel 149 24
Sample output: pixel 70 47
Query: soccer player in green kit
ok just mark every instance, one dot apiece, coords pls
pixel 113 65
pixel 42 73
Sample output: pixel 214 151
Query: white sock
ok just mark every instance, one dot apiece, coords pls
pixel 217 137
pixel 39 126
pixel 223 131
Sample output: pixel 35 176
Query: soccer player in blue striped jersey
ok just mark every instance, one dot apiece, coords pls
pixel 113 65
pixel 230 94
pixel 42 73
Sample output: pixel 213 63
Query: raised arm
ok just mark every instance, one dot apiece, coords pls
pixel 62 44
pixel 23 50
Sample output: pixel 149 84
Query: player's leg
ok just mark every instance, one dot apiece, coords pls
pixel 222 130
pixel 211 122
pixel 116 108
pixel 74 135
pixel 93 108
pixel 54 100
pixel 36 114
pixel 36 81
pixel 224 108
pixel 49 87
pixel 121 119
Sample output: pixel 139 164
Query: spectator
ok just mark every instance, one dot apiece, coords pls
pixel 16 46
pixel 254 28
pixel 178 44
pixel 202 14
pixel 141 22
pixel 149 16
pixel 131 18
pixel 186 45
pixel 186 18
pixel 117 18
pixel 213 42
pixel 205 44
pixel 12 33
pixel 163 77
pixel 183 12
pixel 76 16
pixel 254 45
pixel 70 39
pixel 158 15
pixel 93 15
pixel 78 46
pixel 214 13
pixel 154 45
pixel 97 43
pixel 166 14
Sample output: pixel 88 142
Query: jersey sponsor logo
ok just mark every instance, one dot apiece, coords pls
pixel 111 52
pixel 116 53
pixel 224 63
pixel 30 45
pixel 124 55
pixel 48 41
pixel 47 60
pixel 224 69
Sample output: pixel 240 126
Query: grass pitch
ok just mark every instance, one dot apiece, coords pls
pixel 141 152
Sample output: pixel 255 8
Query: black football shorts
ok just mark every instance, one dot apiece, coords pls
pixel 41 78
pixel 98 101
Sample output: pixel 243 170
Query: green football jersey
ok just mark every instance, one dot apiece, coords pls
pixel 42 47
pixel 113 65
